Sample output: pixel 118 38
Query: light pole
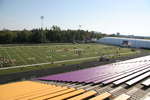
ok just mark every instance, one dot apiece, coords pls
pixel 80 27
pixel 42 18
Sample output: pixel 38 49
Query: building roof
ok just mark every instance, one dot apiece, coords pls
pixel 129 39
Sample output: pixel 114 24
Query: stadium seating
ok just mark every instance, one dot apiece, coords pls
pixel 122 97
pixel 91 84
pixel 137 79
pixel 146 83
pixel 54 94
pixel 31 90
pixel 106 74
pixel 102 96
pixel 131 76
pixel 84 95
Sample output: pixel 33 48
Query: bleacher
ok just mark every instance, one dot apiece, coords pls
pixel 125 80
pixel 29 90
pixel 146 82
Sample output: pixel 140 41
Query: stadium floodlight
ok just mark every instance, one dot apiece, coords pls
pixel 80 27
pixel 42 18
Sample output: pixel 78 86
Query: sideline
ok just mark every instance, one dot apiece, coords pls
pixel 55 62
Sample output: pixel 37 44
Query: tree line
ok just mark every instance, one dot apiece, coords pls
pixel 53 35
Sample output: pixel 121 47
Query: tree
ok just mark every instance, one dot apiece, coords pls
pixel 36 36
pixel 55 34
pixel 55 28
pixel 6 36
pixel 23 36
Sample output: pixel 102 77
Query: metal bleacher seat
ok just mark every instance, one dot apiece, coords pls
pixel 27 89
pixel 130 77
pixel 19 89
pixel 68 95
pixel 84 95
pixel 36 92
pixel 102 96
pixel 122 97
pixel 48 96
pixel 146 82
pixel 43 93
pixel 137 79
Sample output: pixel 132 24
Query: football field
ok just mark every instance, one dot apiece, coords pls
pixel 16 55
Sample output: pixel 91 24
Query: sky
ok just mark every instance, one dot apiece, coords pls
pixel 129 17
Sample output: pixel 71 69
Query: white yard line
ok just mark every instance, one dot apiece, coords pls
pixel 79 59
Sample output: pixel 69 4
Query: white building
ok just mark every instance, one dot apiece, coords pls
pixel 130 42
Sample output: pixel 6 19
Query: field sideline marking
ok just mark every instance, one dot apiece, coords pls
pixel 78 59
pixel 49 63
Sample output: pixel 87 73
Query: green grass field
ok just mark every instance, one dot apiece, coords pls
pixel 33 54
